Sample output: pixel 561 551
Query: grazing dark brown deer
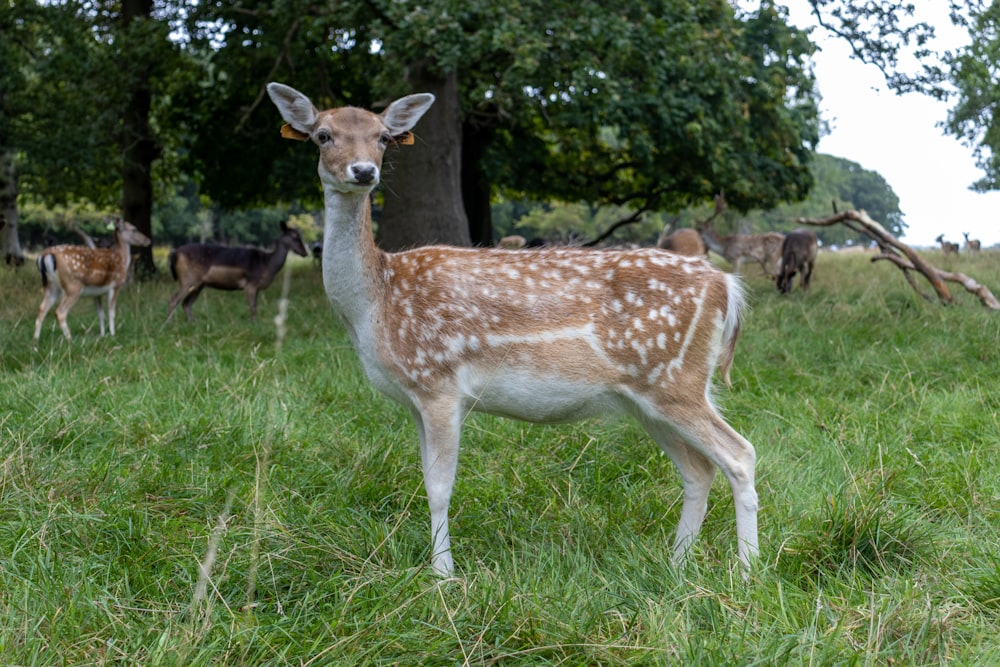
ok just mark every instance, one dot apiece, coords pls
pixel 72 271
pixel 552 335
pixel 798 254
pixel 200 265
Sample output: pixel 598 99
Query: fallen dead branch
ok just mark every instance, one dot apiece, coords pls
pixel 906 259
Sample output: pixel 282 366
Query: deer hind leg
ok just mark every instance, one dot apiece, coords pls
pixel 807 273
pixel 697 473
pixel 174 300
pixel 190 296
pixel 712 439
pixel 100 315
pixel 182 292
pixel 112 303
pixel 439 431
pixel 49 300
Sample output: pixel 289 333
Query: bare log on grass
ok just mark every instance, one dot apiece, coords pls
pixel 907 259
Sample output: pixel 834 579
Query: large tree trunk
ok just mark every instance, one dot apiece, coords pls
pixel 423 187
pixel 138 147
pixel 475 184
pixel 10 245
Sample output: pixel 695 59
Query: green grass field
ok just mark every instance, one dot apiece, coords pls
pixel 205 494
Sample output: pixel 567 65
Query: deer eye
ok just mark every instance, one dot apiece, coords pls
pixel 323 137
pixel 385 139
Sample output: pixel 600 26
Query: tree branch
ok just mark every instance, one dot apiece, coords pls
pixel 635 217
pixel 891 249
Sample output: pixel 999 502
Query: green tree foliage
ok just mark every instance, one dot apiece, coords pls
pixel 883 33
pixel 652 105
pixel 887 35
pixel 646 106
pixel 975 117
pixel 94 72
pixel 681 102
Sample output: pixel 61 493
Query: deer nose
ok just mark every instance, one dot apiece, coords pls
pixel 364 173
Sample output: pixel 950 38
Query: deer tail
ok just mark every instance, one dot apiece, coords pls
pixel 46 265
pixel 172 261
pixel 735 306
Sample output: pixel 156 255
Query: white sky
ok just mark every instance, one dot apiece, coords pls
pixel 897 136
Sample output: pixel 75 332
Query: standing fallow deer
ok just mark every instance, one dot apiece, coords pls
pixel 554 335
pixel 948 247
pixel 199 265
pixel 798 255
pixel 684 241
pixel 70 271
pixel 764 249
pixel 971 245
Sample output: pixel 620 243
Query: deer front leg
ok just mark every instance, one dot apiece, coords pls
pixel 100 315
pixel 439 432
pixel 251 292
pixel 112 302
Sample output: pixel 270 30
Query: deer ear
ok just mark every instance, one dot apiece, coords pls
pixel 295 108
pixel 404 113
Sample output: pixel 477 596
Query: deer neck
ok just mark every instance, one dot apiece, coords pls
pixel 124 251
pixel 275 260
pixel 717 244
pixel 352 265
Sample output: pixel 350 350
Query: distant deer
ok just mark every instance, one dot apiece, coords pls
pixel 764 249
pixel 553 335
pixel 70 271
pixel 798 255
pixel 200 265
pixel 684 241
pixel 948 247
pixel 512 242
pixel 972 245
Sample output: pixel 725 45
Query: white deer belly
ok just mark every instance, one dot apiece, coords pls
pixel 533 396
pixel 91 290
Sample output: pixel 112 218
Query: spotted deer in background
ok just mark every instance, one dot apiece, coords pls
pixel 71 271
pixel 553 335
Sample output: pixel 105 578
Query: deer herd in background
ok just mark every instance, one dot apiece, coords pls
pixel 781 256
pixel 71 271
pixel 971 245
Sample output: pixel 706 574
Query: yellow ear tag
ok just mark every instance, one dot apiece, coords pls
pixel 289 132
pixel 404 139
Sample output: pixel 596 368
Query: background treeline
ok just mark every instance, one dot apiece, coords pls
pixel 185 217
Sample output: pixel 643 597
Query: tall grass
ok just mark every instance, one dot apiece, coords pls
pixel 198 494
